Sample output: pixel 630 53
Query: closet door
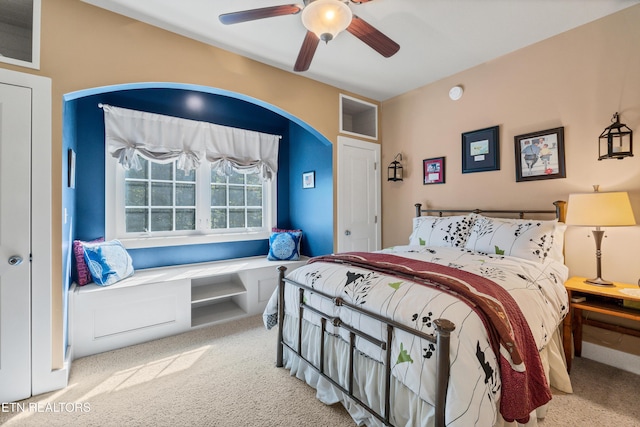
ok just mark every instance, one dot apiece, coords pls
pixel 358 218
pixel 15 242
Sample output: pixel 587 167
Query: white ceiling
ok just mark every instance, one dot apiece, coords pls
pixel 437 38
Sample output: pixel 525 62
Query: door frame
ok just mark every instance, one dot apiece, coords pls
pixel 375 147
pixel 44 301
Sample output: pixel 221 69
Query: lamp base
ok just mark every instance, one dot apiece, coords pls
pixel 598 281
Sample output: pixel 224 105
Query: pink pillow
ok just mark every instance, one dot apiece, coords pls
pixel 83 275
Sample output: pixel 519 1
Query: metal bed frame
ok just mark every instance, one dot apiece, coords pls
pixel 441 338
pixel 560 211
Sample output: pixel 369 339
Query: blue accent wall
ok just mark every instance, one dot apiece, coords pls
pixel 301 148
pixel 311 209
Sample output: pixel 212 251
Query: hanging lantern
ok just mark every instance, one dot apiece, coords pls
pixel 395 169
pixel 616 141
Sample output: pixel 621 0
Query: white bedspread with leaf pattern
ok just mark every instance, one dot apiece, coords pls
pixel 475 387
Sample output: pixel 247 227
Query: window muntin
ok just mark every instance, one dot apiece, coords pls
pixel 236 201
pixel 160 205
pixel 159 198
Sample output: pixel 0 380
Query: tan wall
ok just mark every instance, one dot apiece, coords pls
pixel 83 46
pixel 577 79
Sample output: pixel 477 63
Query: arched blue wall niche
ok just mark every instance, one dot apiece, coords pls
pixel 83 131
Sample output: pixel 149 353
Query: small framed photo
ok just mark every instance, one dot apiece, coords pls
pixel 71 168
pixel 481 150
pixel 540 155
pixel 309 179
pixel 433 170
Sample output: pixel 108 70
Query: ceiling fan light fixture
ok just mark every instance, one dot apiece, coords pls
pixel 326 18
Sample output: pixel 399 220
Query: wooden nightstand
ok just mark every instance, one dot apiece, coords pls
pixel 599 299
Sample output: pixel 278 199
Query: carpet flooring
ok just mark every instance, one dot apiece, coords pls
pixel 225 375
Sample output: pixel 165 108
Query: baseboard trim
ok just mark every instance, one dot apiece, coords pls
pixel 53 380
pixel 608 356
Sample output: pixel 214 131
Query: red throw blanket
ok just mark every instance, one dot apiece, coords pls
pixel 524 384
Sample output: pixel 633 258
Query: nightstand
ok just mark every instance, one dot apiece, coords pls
pixel 598 299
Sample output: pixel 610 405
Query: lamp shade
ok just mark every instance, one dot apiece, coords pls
pixel 326 18
pixel 600 209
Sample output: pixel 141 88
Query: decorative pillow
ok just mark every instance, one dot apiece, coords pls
pixel 284 245
pixel 108 262
pixel 82 274
pixel 446 231
pixel 557 249
pixel 534 240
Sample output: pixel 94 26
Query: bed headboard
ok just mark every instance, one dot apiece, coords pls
pixel 560 211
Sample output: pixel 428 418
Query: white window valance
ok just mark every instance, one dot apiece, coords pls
pixel 129 133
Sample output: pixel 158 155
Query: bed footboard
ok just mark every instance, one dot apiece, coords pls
pixel 441 339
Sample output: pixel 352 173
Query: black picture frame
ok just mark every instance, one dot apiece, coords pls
pixel 433 171
pixel 481 150
pixel 531 165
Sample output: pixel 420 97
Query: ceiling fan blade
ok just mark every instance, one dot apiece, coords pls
pixel 374 38
pixel 253 14
pixel 307 50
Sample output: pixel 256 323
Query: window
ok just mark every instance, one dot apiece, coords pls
pixel 159 197
pixel 162 205
pixel 167 188
pixel 236 201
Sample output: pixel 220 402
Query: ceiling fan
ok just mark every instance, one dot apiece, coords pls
pixel 323 19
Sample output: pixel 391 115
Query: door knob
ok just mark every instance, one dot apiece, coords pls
pixel 15 260
pixel 347 233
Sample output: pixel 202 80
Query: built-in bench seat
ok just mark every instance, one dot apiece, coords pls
pixel 159 302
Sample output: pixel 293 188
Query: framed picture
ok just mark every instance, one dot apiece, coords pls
pixel 309 179
pixel 481 150
pixel 71 168
pixel 540 155
pixel 433 170
pixel 23 20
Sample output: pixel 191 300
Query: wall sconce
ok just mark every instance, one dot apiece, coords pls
pixel 616 141
pixel 395 169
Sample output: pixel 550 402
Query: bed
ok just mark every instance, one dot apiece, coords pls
pixel 459 327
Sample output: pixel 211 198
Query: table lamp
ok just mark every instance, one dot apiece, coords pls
pixel 606 209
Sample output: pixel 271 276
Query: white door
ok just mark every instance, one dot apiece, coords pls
pixel 15 269
pixel 359 210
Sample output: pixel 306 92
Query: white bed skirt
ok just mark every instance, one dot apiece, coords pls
pixel 407 409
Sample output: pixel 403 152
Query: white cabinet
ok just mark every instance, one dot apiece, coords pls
pixel 103 319
pixel 159 302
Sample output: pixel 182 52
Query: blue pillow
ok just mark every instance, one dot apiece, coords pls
pixel 284 245
pixel 108 262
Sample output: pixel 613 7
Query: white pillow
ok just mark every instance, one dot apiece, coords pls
pixel 447 231
pixel 534 240
pixel 557 251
